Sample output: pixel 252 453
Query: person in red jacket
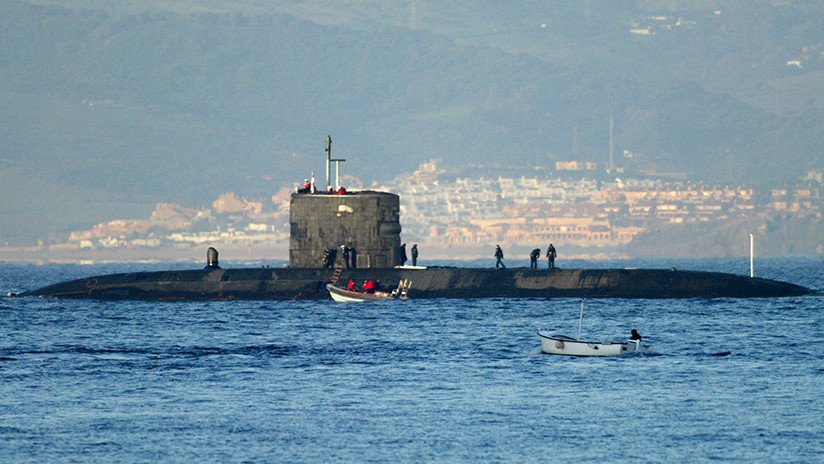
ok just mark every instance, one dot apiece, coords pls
pixel 351 285
pixel 369 286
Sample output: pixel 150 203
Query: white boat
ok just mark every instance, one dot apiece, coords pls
pixel 568 346
pixel 564 345
pixel 344 295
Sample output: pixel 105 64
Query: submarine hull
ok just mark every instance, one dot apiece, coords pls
pixel 309 284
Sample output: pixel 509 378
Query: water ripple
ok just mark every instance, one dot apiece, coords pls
pixel 438 381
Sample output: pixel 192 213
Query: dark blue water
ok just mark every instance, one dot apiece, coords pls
pixel 418 381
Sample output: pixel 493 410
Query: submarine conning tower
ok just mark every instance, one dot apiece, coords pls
pixel 366 221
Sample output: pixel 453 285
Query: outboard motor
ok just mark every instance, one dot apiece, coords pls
pixel 211 259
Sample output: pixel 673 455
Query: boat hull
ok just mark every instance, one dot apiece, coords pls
pixel 349 296
pixel 568 346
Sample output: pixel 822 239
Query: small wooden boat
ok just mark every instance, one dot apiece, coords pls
pixel 564 345
pixel 348 296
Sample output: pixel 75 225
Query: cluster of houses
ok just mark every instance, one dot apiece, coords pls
pixel 580 211
pixel 441 210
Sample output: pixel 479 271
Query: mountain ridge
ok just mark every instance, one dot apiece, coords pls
pixel 141 105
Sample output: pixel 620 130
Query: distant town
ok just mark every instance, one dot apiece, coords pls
pixel 584 210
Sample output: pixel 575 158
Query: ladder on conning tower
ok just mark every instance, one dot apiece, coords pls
pixel 336 275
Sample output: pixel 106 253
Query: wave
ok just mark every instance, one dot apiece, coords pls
pixel 193 351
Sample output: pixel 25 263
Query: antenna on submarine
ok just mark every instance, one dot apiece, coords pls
pixel 337 172
pixel 329 161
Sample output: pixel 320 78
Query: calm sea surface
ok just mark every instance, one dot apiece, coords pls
pixel 730 380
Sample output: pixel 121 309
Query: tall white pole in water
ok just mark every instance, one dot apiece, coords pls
pixel 752 255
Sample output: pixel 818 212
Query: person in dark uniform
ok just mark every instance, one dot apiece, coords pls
pixel 533 258
pixel 550 257
pixel 345 252
pixel 634 335
pixel 402 256
pixel 415 254
pixel 499 256
pixel 329 256
pixel 353 255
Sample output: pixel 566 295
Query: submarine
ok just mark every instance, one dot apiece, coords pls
pixel 366 225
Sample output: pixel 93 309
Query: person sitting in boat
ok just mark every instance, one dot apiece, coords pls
pixel 351 285
pixel 307 187
pixel 634 335
pixel 369 286
pixel 341 191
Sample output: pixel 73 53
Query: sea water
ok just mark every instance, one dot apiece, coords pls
pixel 728 380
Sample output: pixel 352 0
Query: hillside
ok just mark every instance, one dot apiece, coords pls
pixel 776 235
pixel 108 108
